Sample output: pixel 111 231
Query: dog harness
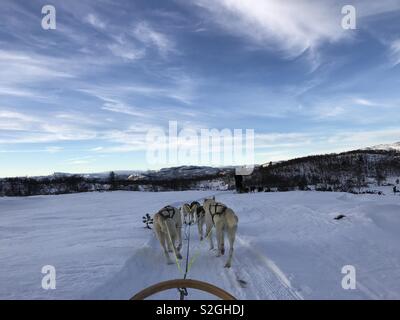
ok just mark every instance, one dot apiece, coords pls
pixel 200 212
pixel 194 203
pixel 167 212
pixel 219 209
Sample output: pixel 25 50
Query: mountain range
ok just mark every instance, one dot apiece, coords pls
pixel 346 171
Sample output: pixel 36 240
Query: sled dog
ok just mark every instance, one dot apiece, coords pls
pixel 168 228
pixel 187 213
pixel 224 220
pixel 199 214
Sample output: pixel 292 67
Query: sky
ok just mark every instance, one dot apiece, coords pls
pixel 83 97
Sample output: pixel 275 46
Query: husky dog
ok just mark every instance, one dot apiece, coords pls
pixel 188 213
pixel 224 219
pixel 168 227
pixel 199 214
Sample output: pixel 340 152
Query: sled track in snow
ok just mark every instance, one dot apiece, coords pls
pixel 287 243
pixel 257 277
pixel 252 275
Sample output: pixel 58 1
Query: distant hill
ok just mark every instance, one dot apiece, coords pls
pixel 348 171
pixel 167 179
pixel 387 147
pixel 345 171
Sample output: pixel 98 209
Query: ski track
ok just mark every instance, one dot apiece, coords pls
pixel 252 275
pixel 265 279
pixel 288 246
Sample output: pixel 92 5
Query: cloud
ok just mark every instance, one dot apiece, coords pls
pixel 121 63
pixel 131 42
pixel 348 108
pixel 21 67
pixel 126 51
pixel 118 107
pixel 15 121
pixel 278 140
pixel 112 104
pixel 365 102
pixel 95 21
pixel 291 26
pixel 18 92
pixel 148 36
pixel 124 141
pixel 75 117
pixel 395 52
pixel 175 86
pixel 80 160
pixel 362 139
pixel 284 146
pixel 53 149
pixel 368 8
pixel 279 24
pixel 50 149
pixel 16 127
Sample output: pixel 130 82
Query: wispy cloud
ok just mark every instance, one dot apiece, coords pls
pixel 80 160
pixel 15 121
pixel 54 149
pixel 118 107
pixel 176 86
pixel 286 146
pixel 292 26
pixel 366 138
pixel 126 51
pixel 112 71
pixel 365 102
pixel 150 37
pixel 278 23
pixel 19 92
pixel 133 42
pixel 95 21
pixel 16 127
pixel 50 149
pixel 395 52
pixel 278 140
pixel 20 67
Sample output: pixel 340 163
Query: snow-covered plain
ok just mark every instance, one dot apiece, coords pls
pixel 288 246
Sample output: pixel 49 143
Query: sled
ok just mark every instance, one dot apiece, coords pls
pixel 183 283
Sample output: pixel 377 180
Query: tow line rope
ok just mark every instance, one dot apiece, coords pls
pixel 183 291
pixel 187 251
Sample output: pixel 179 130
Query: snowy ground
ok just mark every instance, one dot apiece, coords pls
pixel 288 246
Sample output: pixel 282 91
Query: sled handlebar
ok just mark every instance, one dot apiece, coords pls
pixel 183 283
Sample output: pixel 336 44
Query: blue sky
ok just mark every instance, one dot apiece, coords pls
pixel 82 97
